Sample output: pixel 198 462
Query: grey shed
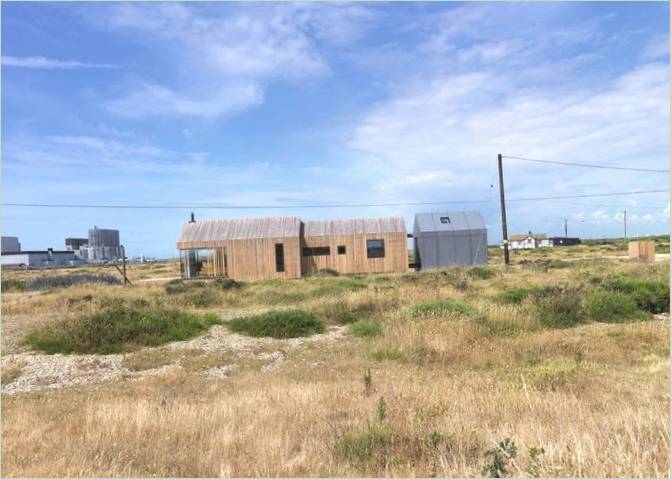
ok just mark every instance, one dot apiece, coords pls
pixel 457 238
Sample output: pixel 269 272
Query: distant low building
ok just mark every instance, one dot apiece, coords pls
pixel 564 241
pixel 529 241
pixel 10 244
pixel 39 259
pixel 76 245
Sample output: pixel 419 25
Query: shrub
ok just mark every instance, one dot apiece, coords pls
pixel 117 328
pixel 443 307
pixel 513 295
pixel 558 306
pixel 288 323
pixel 650 295
pixel 612 307
pixel 12 285
pixel 479 272
pixel 65 281
pixel 504 452
pixel 387 354
pixel 227 283
pixel 365 328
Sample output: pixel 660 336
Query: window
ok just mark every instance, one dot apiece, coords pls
pixel 445 219
pixel 317 251
pixel 375 248
pixel 279 257
pixel 341 249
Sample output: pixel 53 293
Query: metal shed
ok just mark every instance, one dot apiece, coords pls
pixel 457 238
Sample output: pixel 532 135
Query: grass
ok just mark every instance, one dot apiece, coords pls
pixel 117 328
pixel 513 295
pixel 649 295
pixel 283 324
pixel 453 389
pixel 365 328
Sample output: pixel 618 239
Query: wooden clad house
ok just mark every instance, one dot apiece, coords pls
pixel 355 246
pixel 241 248
pixel 285 247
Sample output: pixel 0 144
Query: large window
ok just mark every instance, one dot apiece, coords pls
pixel 375 248
pixel 279 257
pixel 317 251
pixel 196 263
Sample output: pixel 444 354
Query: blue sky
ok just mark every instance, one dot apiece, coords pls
pixel 317 103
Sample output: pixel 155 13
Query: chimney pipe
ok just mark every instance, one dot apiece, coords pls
pixel 193 218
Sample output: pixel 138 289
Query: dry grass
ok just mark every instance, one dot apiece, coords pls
pixel 593 397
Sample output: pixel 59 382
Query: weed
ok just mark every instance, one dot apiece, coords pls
pixel 535 461
pixel 500 456
pixel 117 328
pixel 513 295
pixel 227 284
pixel 387 354
pixel 287 323
pixel 479 272
pixel 365 328
pixel 558 306
pixel 12 285
pixel 367 382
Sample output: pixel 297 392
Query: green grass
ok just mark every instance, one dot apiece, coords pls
pixel 513 295
pixel 365 328
pixel 650 295
pixel 612 307
pixel 479 272
pixel 387 354
pixel 117 328
pixel 558 306
pixel 443 308
pixel 282 324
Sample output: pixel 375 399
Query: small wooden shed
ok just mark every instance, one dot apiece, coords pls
pixel 643 250
pixel 364 245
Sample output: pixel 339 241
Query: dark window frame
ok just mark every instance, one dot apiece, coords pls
pixel 309 251
pixel 375 251
pixel 342 249
pixel 445 220
pixel 279 257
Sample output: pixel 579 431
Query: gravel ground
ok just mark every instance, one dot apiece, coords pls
pixel 43 371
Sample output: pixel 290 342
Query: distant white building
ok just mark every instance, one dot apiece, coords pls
pixel 529 241
pixel 10 244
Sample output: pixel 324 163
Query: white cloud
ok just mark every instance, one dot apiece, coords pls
pixel 49 63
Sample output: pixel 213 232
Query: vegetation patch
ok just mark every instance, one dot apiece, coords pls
pixel 365 328
pixel 12 285
pixel 612 307
pixel 62 281
pixel 387 354
pixel 149 359
pixel 118 327
pixel 443 308
pixel 649 295
pixel 513 295
pixel 558 306
pixel 282 324
pixel 479 272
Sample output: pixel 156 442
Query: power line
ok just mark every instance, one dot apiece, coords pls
pixel 585 165
pixel 352 205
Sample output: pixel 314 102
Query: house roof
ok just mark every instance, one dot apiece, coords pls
pixel 240 229
pixel 539 236
pixel 393 224
pixel 449 221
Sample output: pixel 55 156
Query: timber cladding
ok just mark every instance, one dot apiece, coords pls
pixel 286 247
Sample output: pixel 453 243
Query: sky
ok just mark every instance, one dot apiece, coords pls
pixel 296 104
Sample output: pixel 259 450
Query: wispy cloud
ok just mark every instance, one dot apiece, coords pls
pixel 49 63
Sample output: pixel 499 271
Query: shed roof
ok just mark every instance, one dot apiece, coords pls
pixel 240 229
pixel 518 237
pixel 393 224
pixel 449 221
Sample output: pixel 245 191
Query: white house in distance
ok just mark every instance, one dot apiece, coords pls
pixel 529 241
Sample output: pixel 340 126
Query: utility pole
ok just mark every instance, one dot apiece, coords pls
pixel 504 224
pixel 565 228
pixel 625 224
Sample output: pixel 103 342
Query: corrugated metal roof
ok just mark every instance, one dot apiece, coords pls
pixel 392 224
pixel 241 228
pixel 449 221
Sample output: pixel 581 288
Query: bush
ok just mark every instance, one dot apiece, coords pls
pixel 478 272
pixel 287 323
pixel 365 328
pixel 513 295
pixel 227 283
pixel 612 307
pixel 443 307
pixel 387 354
pixel 12 285
pixel 650 295
pixel 65 281
pixel 558 306
pixel 179 286
pixel 117 328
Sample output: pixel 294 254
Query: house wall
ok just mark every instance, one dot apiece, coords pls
pixel 252 259
pixel 355 259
